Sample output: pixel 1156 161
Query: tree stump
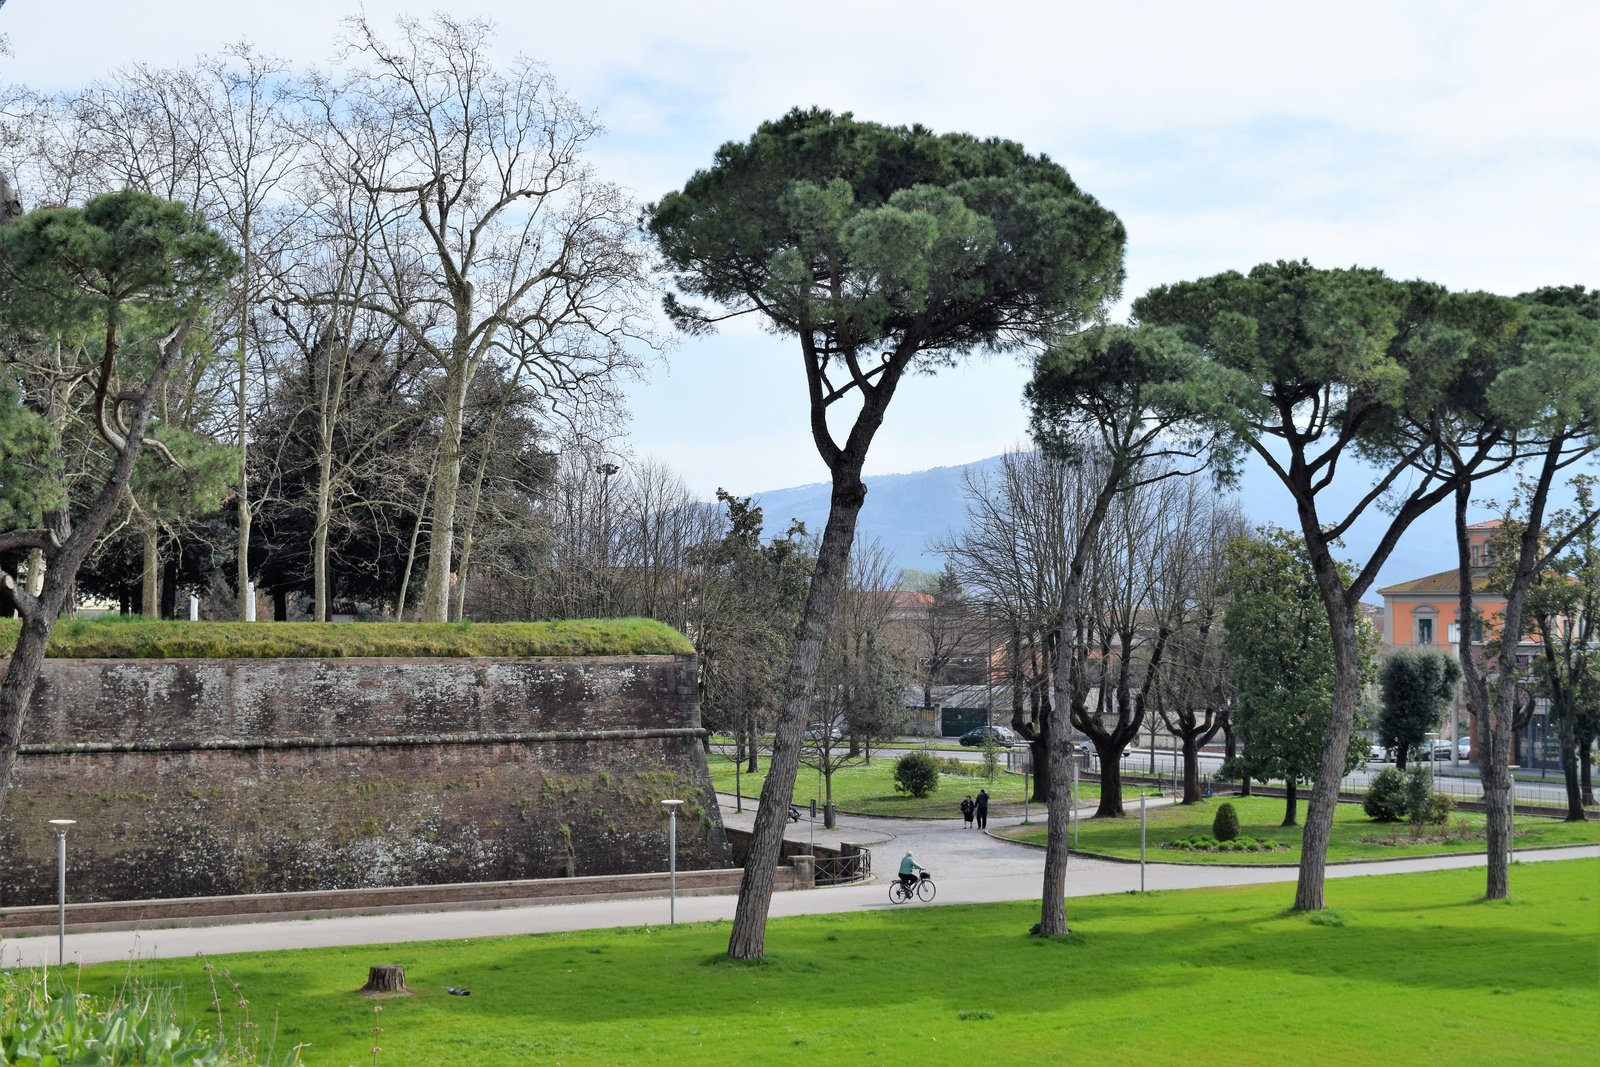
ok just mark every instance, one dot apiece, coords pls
pixel 386 978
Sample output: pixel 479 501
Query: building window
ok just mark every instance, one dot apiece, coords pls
pixel 1424 631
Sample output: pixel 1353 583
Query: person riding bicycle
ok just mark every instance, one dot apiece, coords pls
pixel 908 869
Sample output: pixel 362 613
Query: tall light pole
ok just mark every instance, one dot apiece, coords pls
pixel 606 471
pixel 61 826
pixel 672 859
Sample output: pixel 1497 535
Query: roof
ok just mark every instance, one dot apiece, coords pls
pixel 905 600
pixel 1443 582
pixel 1487 524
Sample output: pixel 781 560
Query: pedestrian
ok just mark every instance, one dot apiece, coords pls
pixel 982 807
pixel 967 808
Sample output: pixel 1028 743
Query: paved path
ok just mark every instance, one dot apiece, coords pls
pixel 970 868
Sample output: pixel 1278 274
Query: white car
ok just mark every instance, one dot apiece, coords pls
pixel 1463 746
pixel 1377 754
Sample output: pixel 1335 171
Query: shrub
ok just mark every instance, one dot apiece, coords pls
pixel 915 773
pixel 1386 796
pixel 1225 827
pixel 1419 794
pixel 1439 808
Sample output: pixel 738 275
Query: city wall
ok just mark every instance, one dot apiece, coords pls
pixel 212 777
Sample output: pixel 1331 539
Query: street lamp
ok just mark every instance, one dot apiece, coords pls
pixel 60 826
pixel 672 859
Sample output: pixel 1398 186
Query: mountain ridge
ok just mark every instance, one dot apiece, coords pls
pixel 908 511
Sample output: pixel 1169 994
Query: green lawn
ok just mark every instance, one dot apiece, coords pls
pixel 1355 837
pixel 1406 969
pixel 869 789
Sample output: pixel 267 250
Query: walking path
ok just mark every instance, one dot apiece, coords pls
pixel 970 868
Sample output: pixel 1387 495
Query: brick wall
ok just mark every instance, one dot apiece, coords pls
pixel 215 777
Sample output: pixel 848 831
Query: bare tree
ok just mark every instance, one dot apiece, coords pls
pixel 857 698
pixel 503 246
pixel 1195 691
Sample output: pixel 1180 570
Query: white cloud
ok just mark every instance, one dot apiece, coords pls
pixel 1449 140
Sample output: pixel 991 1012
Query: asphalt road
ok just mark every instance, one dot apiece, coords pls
pixel 969 867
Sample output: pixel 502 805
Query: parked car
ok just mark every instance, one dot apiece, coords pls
pixel 1377 754
pixel 1463 746
pixel 1436 748
pixel 820 732
pixel 1003 736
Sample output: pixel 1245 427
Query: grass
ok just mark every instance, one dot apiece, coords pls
pixel 110 637
pixel 868 789
pixel 1355 837
pixel 1409 968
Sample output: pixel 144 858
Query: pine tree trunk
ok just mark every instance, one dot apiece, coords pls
pixel 1290 796
pixel 1336 741
pixel 1053 904
pixel 747 939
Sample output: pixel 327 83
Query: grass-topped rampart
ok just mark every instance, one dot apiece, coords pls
pixel 113 637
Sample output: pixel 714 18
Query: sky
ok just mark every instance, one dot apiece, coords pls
pixel 1458 142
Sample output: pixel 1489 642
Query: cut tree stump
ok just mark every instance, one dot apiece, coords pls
pixel 386 978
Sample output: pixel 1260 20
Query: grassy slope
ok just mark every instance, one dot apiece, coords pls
pixel 113 638
pixel 869 790
pixel 1259 817
pixel 1408 969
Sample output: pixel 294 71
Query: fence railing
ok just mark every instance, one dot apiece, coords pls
pixel 1456 786
pixel 853 865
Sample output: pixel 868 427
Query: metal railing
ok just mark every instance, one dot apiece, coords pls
pixel 1457 786
pixel 853 865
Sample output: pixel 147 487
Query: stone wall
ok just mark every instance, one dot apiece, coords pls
pixel 213 777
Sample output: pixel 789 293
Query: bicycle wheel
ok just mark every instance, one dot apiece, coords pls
pixel 898 893
pixel 925 890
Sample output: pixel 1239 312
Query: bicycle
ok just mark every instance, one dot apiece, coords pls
pixel 924 889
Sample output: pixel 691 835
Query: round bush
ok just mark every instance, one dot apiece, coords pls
pixel 1439 808
pixel 1225 827
pixel 1386 796
pixel 915 773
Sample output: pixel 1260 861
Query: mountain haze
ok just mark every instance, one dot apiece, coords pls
pixel 908 512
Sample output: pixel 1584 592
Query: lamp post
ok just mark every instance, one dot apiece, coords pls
pixel 61 826
pixel 672 859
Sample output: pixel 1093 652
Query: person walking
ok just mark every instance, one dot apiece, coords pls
pixel 967 810
pixel 982 808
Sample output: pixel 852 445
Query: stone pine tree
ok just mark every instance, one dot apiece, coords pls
pixel 1278 644
pixel 881 250
pixel 128 276
pixel 1341 364
pixel 1122 406
pixel 1543 393
pixel 1417 685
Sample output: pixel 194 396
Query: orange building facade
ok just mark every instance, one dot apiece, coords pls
pixel 1426 611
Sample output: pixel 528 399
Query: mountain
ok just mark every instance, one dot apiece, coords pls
pixel 908 512
pixel 905 512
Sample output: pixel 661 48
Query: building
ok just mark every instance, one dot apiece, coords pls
pixel 1426 611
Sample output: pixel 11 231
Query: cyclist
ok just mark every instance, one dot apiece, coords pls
pixel 908 869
